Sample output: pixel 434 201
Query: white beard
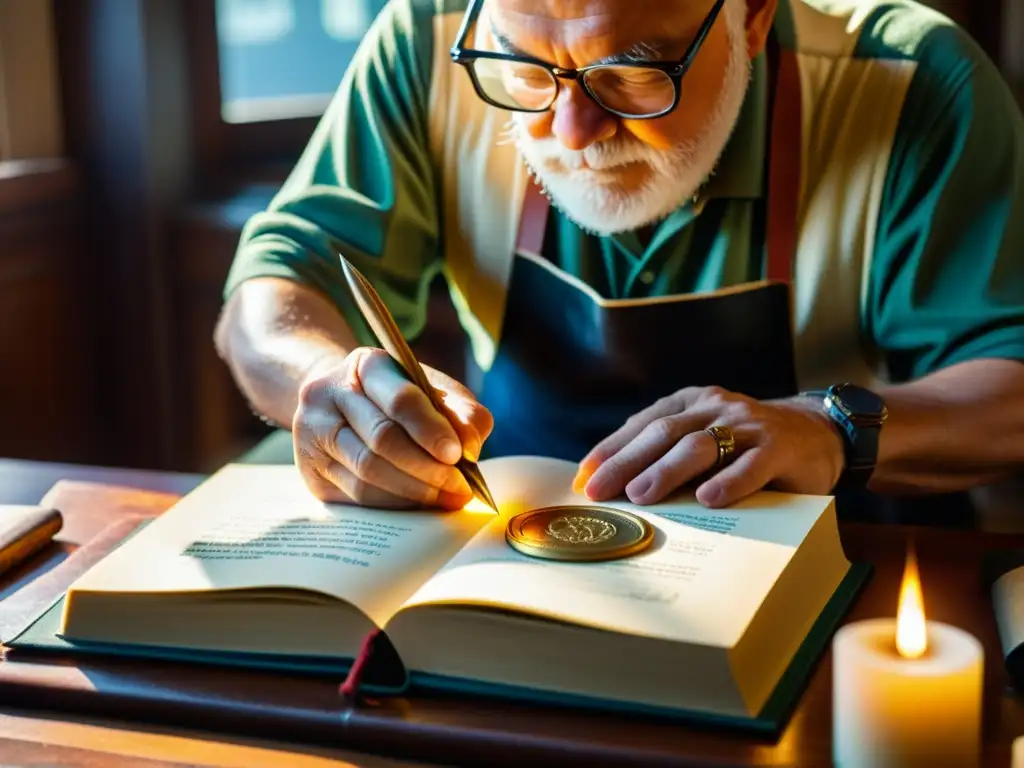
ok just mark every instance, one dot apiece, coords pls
pixel 678 173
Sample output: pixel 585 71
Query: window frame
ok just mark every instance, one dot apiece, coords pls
pixel 31 121
pixel 6 150
pixel 223 147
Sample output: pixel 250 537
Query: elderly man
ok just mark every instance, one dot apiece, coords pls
pixel 772 243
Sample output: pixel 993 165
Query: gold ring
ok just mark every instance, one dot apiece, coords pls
pixel 726 442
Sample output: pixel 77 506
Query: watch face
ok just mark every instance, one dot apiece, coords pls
pixel 861 403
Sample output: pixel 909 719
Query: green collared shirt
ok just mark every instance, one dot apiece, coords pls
pixel 946 279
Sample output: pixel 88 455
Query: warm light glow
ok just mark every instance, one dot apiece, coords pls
pixel 478 507
pixel 911 631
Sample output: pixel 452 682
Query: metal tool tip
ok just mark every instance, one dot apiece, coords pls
pixel 486 498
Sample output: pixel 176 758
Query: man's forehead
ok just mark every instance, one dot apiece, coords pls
pixel 593 17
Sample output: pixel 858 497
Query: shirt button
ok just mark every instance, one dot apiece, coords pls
pixel 647 277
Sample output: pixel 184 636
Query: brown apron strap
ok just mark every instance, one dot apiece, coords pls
pixel 784 168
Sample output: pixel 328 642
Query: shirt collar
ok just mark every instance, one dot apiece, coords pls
pixel 740 170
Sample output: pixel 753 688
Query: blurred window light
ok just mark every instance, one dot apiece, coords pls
pixel 281 59
pixel 346 19
pixel 254 22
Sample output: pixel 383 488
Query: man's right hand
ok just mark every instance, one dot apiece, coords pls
pixel 364 434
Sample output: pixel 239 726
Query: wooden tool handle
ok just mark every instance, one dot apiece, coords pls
pixel 24 530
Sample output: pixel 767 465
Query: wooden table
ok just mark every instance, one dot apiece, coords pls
pixel 26 482
pixel 418 729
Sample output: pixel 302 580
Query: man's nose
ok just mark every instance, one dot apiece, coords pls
pixel 579 121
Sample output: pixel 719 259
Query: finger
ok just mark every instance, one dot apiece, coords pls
pixel 751 472
pixel 653 442
pixel 388 440
pixel 402 401
pixel 331 483
pixel 359 492
pixel 313 427
pixel 471 420
pixel 368 471
pixel 621 437
pixel 323 489
pixel 691 457
pixel 307 457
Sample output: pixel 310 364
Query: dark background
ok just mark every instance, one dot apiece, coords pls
pixel 113 255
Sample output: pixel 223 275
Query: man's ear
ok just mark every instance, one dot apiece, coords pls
pixel 760 17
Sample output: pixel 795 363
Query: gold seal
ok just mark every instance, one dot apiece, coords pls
pixel 578 533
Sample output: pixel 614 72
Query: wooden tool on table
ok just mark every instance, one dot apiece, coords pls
pixel 24 530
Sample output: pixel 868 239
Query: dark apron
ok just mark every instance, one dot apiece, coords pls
pixel 568 371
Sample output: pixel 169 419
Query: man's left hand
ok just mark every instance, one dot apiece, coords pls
pixel 788 445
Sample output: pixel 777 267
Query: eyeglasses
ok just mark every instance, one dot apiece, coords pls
pixel 632 90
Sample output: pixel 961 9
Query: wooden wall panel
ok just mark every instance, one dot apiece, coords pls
pixel 124 72
pixel 49 395
pixel 220 424
pixel 958 10
pixel 1011 57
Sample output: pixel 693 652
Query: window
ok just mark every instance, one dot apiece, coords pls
pixel 282 59
pixel 30 123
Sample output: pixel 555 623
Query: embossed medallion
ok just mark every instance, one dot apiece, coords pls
pixel 579 533
pixel 581 529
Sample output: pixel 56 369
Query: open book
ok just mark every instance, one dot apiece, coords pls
pixel 720 618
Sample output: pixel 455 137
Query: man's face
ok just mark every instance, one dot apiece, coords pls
pixel 611 174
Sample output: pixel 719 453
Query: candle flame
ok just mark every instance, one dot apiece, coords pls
pixel 911 632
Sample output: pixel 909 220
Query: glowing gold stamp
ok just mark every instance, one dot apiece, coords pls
pixel 578 533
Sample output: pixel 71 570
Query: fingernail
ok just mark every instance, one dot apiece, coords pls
pixel 450 451
pixel 709 495
pixel 593 491
pixel 471 451
pixel 638 489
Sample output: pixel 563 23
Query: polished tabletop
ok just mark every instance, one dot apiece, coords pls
pixel 26 482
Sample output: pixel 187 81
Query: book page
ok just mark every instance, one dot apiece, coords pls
pixel 703 579
pixel 257 527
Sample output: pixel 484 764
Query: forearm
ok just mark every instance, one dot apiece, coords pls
pixel 272 333
pixel 952 430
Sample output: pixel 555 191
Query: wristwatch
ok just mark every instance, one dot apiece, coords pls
pixel 859 414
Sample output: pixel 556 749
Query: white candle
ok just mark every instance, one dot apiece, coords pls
pixel 906 692
pixel 1017 756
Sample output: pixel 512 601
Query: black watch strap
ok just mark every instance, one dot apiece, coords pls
pixel 861 457
pixel 859 417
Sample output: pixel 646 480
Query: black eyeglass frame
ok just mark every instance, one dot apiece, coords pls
pixel 675 70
